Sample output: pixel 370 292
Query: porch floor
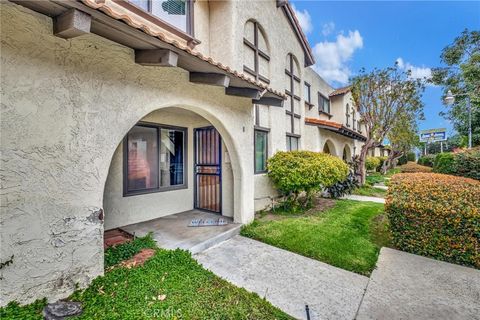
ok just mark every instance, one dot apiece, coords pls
pixel 172 232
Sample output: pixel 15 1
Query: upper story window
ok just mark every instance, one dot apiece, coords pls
pixel 255 52
pixel 359 126
pixel 354 120
pixel 177 13
pixel 308 94
pixel 347 115
pixel 323 104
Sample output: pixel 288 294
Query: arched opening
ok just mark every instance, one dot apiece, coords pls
pixel 347 154
pixel 172 164
pixel 329 148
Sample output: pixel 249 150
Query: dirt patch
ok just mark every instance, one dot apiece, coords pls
pixel 320 205
pixel 138 259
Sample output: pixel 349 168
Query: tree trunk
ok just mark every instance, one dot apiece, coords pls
pixel 361 162
pixel 388 164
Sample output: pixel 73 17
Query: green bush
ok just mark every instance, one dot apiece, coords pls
pixel 436 215
pixel 297 172
pixel 410 156
pixel 115 255
pixel 467 163
pixel 372 163
pixel 444 163
pixel 382 160
pixel 427 160
pixel 344 187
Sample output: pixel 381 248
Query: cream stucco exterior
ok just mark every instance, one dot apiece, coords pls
pixel 66 106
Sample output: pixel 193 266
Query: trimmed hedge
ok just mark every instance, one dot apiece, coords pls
pixel 412 167
pixel 372 163
pixel 436 215
pixel 427 160
pixel 464 164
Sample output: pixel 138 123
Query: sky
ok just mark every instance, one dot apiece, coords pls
pixel 347 36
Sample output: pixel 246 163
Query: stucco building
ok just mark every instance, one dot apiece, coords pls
pixel 116 112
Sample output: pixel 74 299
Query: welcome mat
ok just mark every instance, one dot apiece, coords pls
pixel 208 222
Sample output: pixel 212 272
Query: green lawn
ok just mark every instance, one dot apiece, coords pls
pixel 171 285
pixel 348 236
pixel 369 191
pixel 376 177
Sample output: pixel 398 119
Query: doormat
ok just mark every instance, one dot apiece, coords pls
pixel 208 222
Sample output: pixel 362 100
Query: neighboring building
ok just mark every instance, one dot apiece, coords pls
pixel 116 112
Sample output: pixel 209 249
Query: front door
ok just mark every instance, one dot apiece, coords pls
pixel 208 170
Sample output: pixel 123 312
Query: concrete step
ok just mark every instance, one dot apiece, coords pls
pixel 217 239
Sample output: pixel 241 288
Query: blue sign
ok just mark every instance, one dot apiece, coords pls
pixel 433 135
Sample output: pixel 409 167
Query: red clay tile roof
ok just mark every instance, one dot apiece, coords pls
pixel 100 5
pixel 340 91
pixel 335 127
pixel 327 123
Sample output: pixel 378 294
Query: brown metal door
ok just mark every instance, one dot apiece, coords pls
pixel 208 170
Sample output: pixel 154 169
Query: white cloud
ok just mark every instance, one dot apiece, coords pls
pixel 332 57
pixel 415 72
pixel 328 28
pixel 304 19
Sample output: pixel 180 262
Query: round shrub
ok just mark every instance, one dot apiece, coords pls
pixel 444 163
pixel 436 215
pixel 372 163
pixel 295 172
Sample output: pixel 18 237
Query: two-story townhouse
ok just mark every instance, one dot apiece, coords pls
pixel 116 112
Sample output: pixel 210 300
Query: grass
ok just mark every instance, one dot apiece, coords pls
pixel 347 236
pixel 377 177
pixel 116 254
pixel 370 191
pixel 170 285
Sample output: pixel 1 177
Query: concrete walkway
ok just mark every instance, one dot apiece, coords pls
pixel 363 198
pixel 403 286
pixel 406 286
pixel 288 280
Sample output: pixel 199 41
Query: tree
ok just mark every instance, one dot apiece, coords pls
pixel 403 137
pixel 462 76
pixel 383 96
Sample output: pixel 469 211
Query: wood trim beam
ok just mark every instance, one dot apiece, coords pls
pixel 212 79
pixel 269 101
pixel 71 24
pixel 156 57
pixel 243 92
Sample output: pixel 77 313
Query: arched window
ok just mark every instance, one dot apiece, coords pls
pixel 255 52
pixel 292 105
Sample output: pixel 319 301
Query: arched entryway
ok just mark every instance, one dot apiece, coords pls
pixel 173 160
pixel 329 148
pixel 347 154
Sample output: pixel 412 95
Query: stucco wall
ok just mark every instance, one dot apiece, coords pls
pixel 66 105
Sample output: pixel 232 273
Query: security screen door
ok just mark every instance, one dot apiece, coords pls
pixel 208 170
